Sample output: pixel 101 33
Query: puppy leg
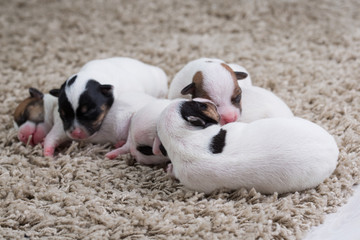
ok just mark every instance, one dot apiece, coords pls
pixel 122 150
pixel 55 137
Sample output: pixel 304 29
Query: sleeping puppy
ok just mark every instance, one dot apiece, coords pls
pixel 34 117
pixel 86 97
pixel 142 142
pixel 271 155
pixel 212 79
pixel 230 87
pixel 114 125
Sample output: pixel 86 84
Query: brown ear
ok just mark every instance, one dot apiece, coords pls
pixel 35 93
pixel 240 75
pixel 189 89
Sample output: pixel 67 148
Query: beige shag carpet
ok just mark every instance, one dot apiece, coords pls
pixel 307 52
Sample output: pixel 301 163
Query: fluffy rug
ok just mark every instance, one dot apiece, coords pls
pixel 307 52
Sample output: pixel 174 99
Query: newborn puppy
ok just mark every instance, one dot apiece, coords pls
pixel 86 97
pixel 142 141
pixel 211 79
pixel 34 117
pixel 271 155
pixel 114 126
pixel 254 102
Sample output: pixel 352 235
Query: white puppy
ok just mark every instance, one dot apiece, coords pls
pixel 211 79
pixel 142 141
pixel 271 155
pixel 239 100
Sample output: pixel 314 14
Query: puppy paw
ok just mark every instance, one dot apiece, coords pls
pixel 113 154
pixel 49 151
pixel 39 135
pixel 170 170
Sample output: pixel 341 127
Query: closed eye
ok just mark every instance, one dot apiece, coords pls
pixel 237 99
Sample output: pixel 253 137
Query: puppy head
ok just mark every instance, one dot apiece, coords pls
pixel 83 111
pixel 199 112
pixel 218 83
pixel 31 109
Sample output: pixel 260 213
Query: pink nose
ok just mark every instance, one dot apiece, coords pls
pixel 228 118
pixel 77 133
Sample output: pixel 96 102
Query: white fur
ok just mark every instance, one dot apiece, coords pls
pixel 143 132
pixel 114 127
pixel 270 155
pixel 258 103
pixel 125 74
pixel 217 82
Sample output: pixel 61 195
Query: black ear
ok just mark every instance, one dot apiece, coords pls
pixel 55 92
pixel 196 121
pixel 35 93
pixel 106 89
pixel 189 89
pixel 241 75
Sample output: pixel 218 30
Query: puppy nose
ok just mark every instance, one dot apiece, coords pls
pixel 77 133
pixel 228 118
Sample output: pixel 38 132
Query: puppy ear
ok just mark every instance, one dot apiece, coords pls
pixel 240 75
pixel 196 121
pixel 55 92
pixel 189 89
pixel 35 93
pixel 106 89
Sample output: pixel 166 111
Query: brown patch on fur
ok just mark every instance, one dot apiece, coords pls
pixel 211 111
pixel 31 109
pixel 99 120
pixel 199 91
pixel 237 89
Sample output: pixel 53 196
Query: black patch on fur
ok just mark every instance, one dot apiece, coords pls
pixel 218 142
pixel 144 149
pixel 163 150
pixel 195 109
pixel 66 111
pixel 71 81
pixel 93 100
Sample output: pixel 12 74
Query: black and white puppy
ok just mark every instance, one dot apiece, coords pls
pixel 86 97
pixel 271 155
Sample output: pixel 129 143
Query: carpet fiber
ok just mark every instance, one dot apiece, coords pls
pixel 307 52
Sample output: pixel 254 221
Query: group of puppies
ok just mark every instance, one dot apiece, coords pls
pixel 215 128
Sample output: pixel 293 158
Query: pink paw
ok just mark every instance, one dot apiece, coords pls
pixel 26 132
pixel 39 135
pixel 113 154
pixel 49 151
pixel 169 170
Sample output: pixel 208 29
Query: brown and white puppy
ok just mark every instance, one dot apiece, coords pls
pixel 211 79
pixel 33 117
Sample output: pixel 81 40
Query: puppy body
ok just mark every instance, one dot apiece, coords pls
pixel 86 97
pixel 114 128
pixel 212 79
pixel 142 140
pixel 258 103
pixel 34 117
pixel 270 155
